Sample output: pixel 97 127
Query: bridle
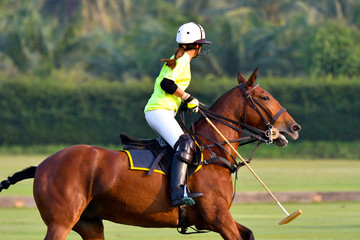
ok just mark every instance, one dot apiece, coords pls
pixel 271 133
pixel 253 134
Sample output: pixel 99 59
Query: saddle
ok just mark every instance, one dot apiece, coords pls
pixel 141 144
pixel 154 155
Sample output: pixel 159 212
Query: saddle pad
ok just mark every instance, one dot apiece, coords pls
pixel 142 160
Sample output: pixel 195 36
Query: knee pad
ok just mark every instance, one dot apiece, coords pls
pixel 185 148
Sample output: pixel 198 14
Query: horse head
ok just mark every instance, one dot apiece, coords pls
pixel 261 110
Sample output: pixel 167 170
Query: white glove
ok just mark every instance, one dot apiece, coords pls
pixel 192 103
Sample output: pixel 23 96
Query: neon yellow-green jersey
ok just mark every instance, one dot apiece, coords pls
pixel 181 75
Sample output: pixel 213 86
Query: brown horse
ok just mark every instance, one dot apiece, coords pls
pixel 78 187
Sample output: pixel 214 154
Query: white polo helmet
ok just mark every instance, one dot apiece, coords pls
pixel 191 33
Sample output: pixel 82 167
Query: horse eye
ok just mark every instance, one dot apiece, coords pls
pixel 265 98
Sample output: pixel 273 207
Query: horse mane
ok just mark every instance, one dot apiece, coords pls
pixel 219 106
pixel 213 106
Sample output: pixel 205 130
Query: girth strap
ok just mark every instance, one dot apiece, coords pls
pixel 218 159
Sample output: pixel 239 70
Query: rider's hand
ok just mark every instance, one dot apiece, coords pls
pixel 192 103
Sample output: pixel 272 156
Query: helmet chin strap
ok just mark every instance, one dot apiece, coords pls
pixel 197 49
pixel 197 52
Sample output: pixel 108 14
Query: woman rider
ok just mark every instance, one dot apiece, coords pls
pixel 160 111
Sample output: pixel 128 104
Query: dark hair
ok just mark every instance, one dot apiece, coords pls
pixel 171 63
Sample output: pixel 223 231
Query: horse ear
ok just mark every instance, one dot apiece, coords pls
pixel 250 82
pixel 240 78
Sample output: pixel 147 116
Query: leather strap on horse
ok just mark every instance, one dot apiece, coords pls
pixel 252 132
pixel 183 220
pixel 156 163
pixel 247 129
pixel 254 135
pixel 255 105
pixel 183 225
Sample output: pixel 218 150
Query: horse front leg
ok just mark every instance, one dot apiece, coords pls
pixel 245 233
pixel 227 228
pixel 222 222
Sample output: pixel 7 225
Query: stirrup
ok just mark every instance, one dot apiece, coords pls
pixel 184 198
pixel 188 201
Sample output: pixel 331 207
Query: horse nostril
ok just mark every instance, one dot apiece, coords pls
pixel 295 128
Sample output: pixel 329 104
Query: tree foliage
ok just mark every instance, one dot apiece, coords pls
pixel 127 38
pixel 334 49
pixel 69 70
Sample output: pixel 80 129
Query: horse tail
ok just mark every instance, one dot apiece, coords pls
pixel 17 177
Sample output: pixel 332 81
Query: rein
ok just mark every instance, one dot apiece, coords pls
pixel 253 134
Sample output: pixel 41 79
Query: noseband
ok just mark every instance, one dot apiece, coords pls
pixel 271 132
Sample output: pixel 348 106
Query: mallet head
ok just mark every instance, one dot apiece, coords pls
pixel 291 217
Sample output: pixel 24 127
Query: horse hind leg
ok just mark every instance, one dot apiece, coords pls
pixel 90 229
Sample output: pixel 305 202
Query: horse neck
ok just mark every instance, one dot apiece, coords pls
pixel 230 105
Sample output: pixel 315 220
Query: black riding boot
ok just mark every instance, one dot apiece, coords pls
pixel 183 156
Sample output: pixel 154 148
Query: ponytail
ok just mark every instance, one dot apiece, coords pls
pixel 171 63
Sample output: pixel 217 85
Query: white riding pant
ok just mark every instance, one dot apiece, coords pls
pixel 163 122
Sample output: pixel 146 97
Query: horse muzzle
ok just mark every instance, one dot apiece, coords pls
pixel 292 131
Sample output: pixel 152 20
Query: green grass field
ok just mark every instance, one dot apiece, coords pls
pixel 320 221
pixel 278 175
pixel 297 175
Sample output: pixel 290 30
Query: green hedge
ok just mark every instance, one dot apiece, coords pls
pixel 38 112
pixel 327 109
pixel 294 150
pixel 53 111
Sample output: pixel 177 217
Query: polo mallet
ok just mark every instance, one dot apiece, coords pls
pixel 289 217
